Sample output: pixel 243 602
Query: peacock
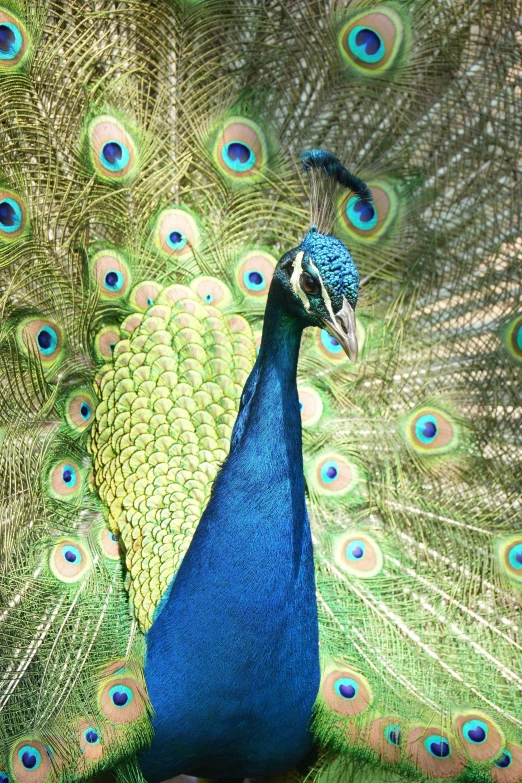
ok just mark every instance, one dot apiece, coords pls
pixel 260 353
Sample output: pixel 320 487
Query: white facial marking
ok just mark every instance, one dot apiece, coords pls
pixel 296 276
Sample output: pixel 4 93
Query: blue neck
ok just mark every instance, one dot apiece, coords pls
pixel 232 660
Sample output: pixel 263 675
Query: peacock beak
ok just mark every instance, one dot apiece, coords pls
pixel 342 328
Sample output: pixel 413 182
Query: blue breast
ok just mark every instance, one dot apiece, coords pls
pixel 232 664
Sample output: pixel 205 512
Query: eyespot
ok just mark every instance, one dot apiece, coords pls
pixel 240 150
pixel 4 777
pixel 362 214
pixel 13 40
pixel 79 410
pixel 211 290
pixel 371 40
pixel 431 431
pixel 511 557
pixel 30 757
pixel 254 273
pixel 367 221
pixel 110 544
pixel 358 554
pixel 513 338
pixel 13 213
pixel 311 405
pixel 481 737
pixel 346 692
pixel 346 687
pixel 432 751
pixel 385 738
pixel 30 761
pixel 145 294
pixel 438 746
pixel 329 347
pixel 90 739
pixel 334 475
pixel 122 700
pixel 392 734
pixel 507 767
pixel 92 736
pixel 111 274
pixel 69 561
pixel 41 338
pixel 176 233
pixel 113 153
pixel 66 480
pixel 105 342
pixel 504 760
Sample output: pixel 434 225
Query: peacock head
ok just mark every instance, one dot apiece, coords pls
pixel 318 279
pixel 320 283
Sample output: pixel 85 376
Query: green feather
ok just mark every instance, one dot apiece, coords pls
pixel 425 621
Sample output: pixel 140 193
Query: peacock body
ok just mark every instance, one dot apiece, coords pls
pixel 169 603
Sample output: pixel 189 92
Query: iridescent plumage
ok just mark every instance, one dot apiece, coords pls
pixel 149 181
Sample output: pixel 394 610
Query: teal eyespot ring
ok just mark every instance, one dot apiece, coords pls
pixel 359 49
pixel 515 557
pixel 47 340
pixel 113 280
pixel 69 476
pixel 92 735
pixel 329 471
pixel 234 156
pixel 329 343
pixel 109 157
pixel 392 734
pixel 475 731
pixel 254 280
pixel 176 240
pixel 30 757
pixel 356 550
pixel 504 760
pixel 4 777
pixel 121 696
pixel 72 554
pixel 14 46
pixel 438 746
pixel 85 411
pixel 426 428
pixel 10 216
pixel 346 688
pixel 356 210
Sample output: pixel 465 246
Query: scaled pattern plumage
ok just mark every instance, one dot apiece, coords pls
pixel 148 147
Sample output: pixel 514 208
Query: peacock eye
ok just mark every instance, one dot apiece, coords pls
pixel 13 40
pixel 113 152
pixel 309 284
pixel 13 216
pixel 504 760
pixel 240 150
